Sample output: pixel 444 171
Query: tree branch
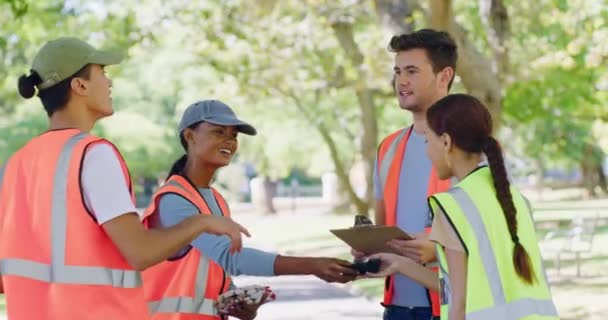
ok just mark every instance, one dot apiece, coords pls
pixel 341 171
pixel 495 18
pixel 395 15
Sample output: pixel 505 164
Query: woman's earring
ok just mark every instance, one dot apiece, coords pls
pixel 448 163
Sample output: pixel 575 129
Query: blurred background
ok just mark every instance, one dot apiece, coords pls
pixel 314 77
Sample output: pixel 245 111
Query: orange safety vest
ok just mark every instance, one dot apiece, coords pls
pixel 186 287
pixel 56 262
pixel 390 157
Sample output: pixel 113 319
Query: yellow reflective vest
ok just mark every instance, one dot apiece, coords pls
pixel 494 290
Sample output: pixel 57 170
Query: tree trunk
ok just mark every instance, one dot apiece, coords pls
pixel 602 178
pixel 361 206
pixel 369 134
pixel 587 175
pixel 495 19
pixel 587 170
pixel 473 67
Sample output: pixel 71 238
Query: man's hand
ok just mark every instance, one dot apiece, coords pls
pixel 333 270
pixel 226 226
pixel 420 249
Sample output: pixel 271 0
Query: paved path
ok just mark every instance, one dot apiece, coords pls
pixel 306 297
pixel 302 297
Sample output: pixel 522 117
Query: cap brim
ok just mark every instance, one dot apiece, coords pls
pixel 105 58
pixel 240 125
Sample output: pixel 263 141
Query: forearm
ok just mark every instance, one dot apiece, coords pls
pixel 160 244
pixel 457 262
pixel 293 265
pixel 249 261
pixel 457 311
pixel 143 248
pixel 420 274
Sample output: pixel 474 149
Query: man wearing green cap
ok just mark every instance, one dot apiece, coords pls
pixel 70 236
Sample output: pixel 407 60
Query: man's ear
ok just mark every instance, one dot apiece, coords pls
pixel 446 75
pixel 79 86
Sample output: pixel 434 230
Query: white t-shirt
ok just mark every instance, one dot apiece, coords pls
pixel 105 190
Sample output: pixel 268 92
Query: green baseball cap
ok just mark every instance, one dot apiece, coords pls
pixel 216 112
pixel 59 59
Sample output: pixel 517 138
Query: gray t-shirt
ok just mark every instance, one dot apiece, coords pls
pixel 412 212
pixel 173 209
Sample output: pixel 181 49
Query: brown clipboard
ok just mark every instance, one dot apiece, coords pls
pixel 370 239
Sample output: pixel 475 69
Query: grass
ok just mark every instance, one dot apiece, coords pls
pixel 2 305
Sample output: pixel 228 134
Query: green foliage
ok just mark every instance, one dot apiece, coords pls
pixel 18 7
pixel 281 67
pixel 553 99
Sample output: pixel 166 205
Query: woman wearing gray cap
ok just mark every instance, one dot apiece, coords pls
pixel 208 132
pixel 71 239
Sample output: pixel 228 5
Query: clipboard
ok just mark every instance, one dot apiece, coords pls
pixel 371 239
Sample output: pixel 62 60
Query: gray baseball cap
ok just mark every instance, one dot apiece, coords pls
pixel 216 112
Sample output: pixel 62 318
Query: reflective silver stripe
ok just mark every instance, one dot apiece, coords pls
pixel 59 210
pixel 197 304
pixel 515 309
pixel 202 273
pixel 57 271
pixel 484 246
pixel 179 186
pixel 184 305
pixel 70 274
pixel 215 209
pixel 385 166
pixel 176 184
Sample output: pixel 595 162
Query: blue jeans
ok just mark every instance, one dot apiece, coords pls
pixel 405 313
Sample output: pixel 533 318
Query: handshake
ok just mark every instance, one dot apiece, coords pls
pixel 369 266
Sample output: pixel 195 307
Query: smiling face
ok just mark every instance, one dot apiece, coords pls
pixel 213 145
pixel 416 84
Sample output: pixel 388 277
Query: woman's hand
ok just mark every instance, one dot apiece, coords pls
pixel 420 249
pixel 333 270
pixel 245 311
pixel 389 264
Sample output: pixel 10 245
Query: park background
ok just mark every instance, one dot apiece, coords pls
pixel 314 77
